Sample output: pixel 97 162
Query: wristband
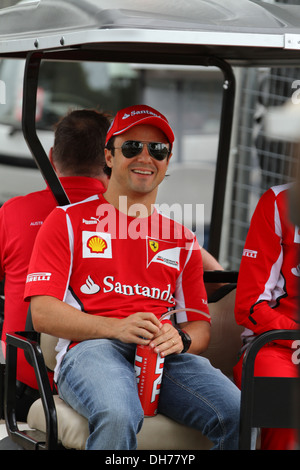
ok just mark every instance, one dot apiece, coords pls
pixel 186 340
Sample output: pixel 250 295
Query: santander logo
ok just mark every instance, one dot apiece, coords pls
pixel 110 285
pixel 89 287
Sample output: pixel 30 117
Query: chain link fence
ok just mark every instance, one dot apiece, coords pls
pixel 259 162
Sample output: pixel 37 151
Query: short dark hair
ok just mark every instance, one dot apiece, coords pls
pixel 79 141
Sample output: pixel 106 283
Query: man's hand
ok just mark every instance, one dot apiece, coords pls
pixel 167 341
pixel 139 328
pixel 55 317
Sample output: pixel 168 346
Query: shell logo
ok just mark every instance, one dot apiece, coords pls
pixel 96 244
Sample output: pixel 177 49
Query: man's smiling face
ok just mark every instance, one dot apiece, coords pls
pixel 140 174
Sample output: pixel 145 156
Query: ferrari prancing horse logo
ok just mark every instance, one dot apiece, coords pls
pixel 153 245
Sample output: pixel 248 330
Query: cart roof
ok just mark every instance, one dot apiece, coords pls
pixel 239 31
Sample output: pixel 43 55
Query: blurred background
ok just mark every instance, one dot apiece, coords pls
pixel 190 98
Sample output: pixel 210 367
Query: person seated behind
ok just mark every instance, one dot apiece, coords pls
pixel 267 295
pixel 78 159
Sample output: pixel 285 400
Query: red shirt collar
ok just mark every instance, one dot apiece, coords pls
pixel 84 182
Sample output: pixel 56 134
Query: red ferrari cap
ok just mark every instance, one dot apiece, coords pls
pixel 139 114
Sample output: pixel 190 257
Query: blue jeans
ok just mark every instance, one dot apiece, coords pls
pixel 97 379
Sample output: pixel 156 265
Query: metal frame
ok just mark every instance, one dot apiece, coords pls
pixel 168 40
pixel 31 74
pixel 128 31
pixel 240 31
pixel 29 343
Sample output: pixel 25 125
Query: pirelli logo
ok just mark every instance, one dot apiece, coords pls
pixel 33 277
pixel 249 253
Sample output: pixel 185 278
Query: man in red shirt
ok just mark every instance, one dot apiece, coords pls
pixel 78 158
pixel 267 294
pixel 122 265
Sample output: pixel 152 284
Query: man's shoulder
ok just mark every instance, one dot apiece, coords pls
pixel 274 194
pixel 281 189
pixel 76 211
pixel 29 202
pixel 174 229
pixel 24 197
pixel 81 205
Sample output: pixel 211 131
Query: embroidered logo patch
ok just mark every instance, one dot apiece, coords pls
pixel 96 245
pixel 160 251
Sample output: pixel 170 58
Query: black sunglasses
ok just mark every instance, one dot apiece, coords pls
pixel 132 148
